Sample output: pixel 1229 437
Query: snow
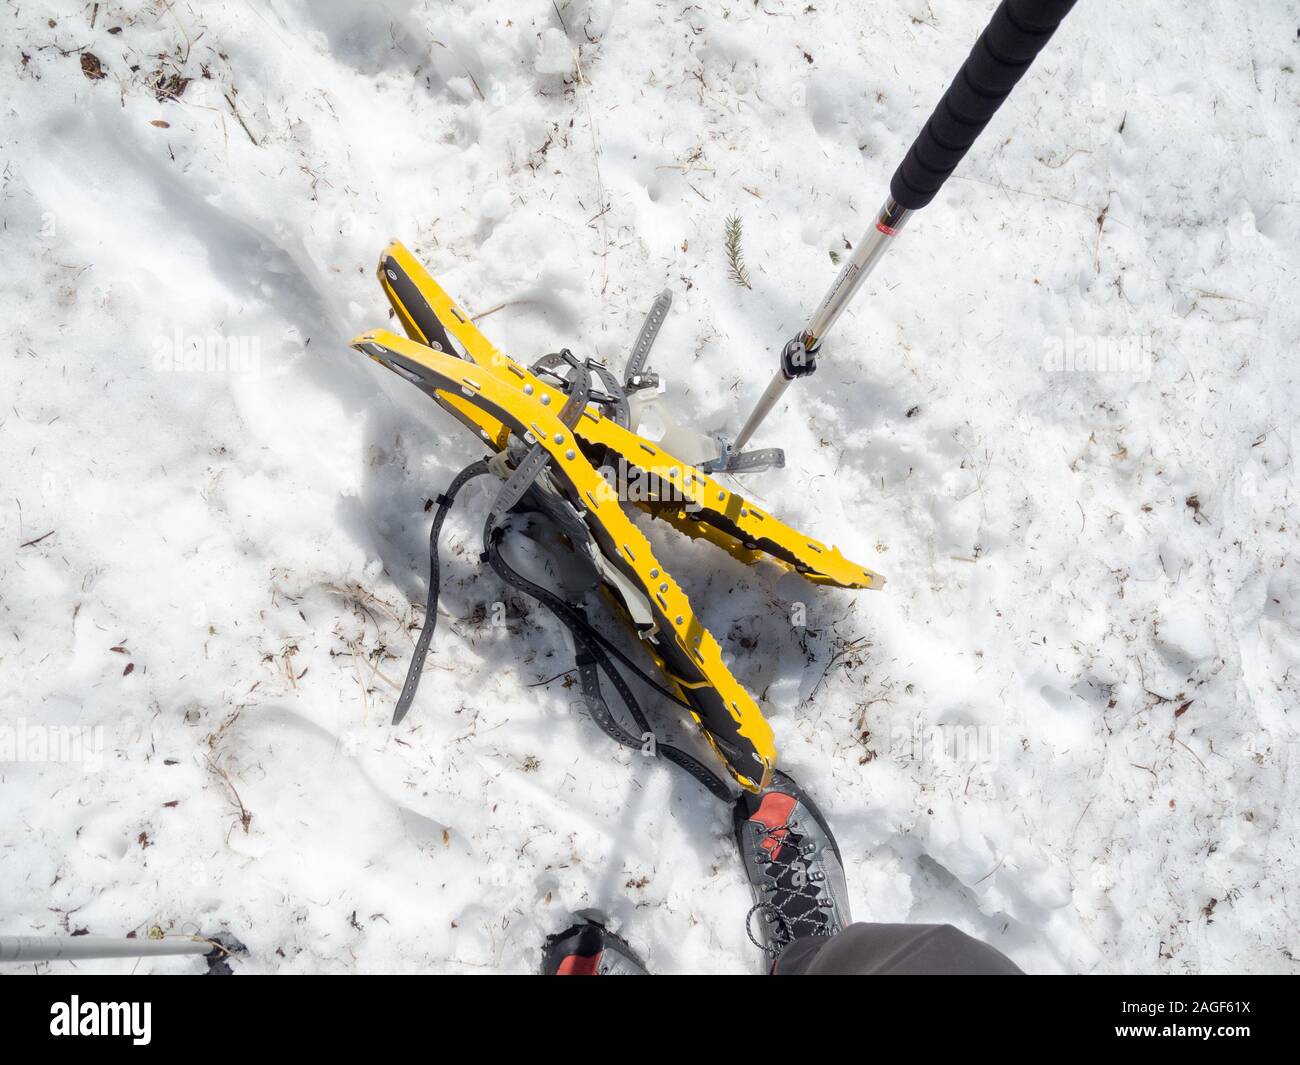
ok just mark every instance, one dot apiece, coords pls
pixel 1060 419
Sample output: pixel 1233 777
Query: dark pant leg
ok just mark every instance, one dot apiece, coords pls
pixel 894 950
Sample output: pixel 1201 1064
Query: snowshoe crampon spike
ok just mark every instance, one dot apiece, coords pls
pixel 500 401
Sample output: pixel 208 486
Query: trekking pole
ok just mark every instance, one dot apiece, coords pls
pixel 1005 50
pixel 76 948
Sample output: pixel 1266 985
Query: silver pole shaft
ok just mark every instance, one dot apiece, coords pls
pixel 60 948
pixel 771 395
pixel 870 250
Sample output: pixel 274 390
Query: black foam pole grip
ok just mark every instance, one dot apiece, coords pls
pixel 1004 51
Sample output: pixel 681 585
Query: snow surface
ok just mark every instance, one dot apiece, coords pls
pixel 1060 419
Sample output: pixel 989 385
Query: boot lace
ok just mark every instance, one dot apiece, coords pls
pixel 796 906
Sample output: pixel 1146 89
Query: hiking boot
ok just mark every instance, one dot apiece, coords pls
pixel 793 864
pixel 590 949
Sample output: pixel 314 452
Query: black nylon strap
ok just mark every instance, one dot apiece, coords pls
pixel 574 618
pixel 445 500
pixel 591 659
pixel 594 649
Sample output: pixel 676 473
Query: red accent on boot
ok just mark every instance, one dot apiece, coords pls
pixel 773 813
pixel 577 965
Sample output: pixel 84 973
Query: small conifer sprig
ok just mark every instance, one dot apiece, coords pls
pixel 735 256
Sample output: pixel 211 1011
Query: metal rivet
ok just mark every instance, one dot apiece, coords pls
pixel 663 587
pixel 546 401
pixel 654 573
pixel 528 390
pixel 559 438
pixel 722 495
pixel 569 454
pixel 679 619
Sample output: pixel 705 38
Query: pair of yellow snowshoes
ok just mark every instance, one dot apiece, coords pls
pixel 553 432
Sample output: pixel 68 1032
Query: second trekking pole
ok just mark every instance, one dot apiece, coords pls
pixel 1005 50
